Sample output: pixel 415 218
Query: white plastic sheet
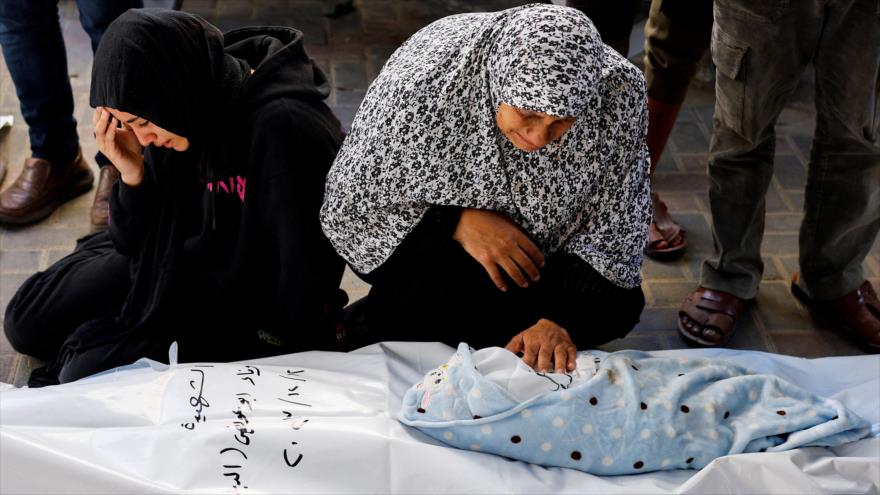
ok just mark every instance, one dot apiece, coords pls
pixel 138 430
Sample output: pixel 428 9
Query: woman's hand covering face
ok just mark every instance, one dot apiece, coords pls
pixel 496 242
pixel 120 145
pixel 545 347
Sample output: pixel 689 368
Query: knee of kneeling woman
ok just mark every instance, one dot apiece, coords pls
pixel 21 331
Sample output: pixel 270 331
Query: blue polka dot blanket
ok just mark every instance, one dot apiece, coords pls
pixel 620 413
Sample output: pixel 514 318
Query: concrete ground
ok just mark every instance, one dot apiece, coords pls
pixel 352 49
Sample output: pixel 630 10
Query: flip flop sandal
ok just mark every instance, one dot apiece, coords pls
pixel 708 317
pixel 663 228
pixel 856 313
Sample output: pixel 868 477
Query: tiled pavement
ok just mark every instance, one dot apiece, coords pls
pixel 352 49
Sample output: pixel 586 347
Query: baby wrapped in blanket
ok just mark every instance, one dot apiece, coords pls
pixel 620 413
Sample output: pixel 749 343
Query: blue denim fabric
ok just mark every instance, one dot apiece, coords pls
pixel 33 47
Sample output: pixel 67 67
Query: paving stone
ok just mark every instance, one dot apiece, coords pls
pixel 776 308
pixel 783 222
pixel 5 346
pixel 699 235
pixel 345 25
pixel 680 202
pixel 19 261
pixel 667 163
pixel 345 115
pixel 655 270
pixel 23 368
pixel 349 98
pixel 8 365
pixel 802 142
pixel 656 320
pixel 349 75
pixel 679 181
pixel 9 284
pixel 694 162
pixel 771 272
pixel 779 243
pixel 42 237
pixel 774 202
pixel 873 263
pixel 790 263
pixel 235 9
pixel 55 255
pixel 689 137
pixel 669 294
pixel 813 344
pixel 796 198
pixel 782 144
pixel 789 171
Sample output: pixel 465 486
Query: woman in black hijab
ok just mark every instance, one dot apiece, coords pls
pixel 223 144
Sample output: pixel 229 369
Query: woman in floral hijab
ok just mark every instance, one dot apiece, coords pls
pixel 494 187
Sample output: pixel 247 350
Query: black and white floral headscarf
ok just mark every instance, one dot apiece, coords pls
pixel 426 135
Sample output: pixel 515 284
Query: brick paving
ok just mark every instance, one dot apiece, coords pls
pixel 352 49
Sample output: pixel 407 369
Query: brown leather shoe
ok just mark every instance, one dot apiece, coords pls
pixel 101 206
pixel 857 312
pixel 41 188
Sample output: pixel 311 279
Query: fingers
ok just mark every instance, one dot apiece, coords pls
pixel 101 124
pixel 112 126
pixel 562 358
pixel 530 249
pixel 492 269
pixel 545 358
pixel 530 354
pixel 516 344
pixel 526 264
pixel 512 269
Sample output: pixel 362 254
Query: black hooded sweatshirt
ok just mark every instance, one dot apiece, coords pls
pixel 224 238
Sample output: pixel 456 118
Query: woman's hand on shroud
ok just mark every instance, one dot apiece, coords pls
pixel 545 346
pixel 120 146
pixel 495 241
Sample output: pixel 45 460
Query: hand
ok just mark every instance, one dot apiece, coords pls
pixel 494 241
pixel 544 345
pixel 120 146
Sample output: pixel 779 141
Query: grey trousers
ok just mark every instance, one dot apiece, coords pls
pixel 761 48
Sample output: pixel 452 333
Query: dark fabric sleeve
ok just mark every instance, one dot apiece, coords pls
pixel 592 308
pixel 130 212
pixel 437 226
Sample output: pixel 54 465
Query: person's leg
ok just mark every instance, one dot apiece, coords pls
pixel 842 197
pixel 96 15
pixel 89 283
pixel 760 51
pixel 440 293
pixel 30 35
pixel 677 35
pixel 432 289
pixel 99 346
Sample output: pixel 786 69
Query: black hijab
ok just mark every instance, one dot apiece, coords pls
pixel 169 68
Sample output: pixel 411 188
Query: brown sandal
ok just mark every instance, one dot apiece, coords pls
pixel 857 312
pixel 708 317
pixel 664 229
